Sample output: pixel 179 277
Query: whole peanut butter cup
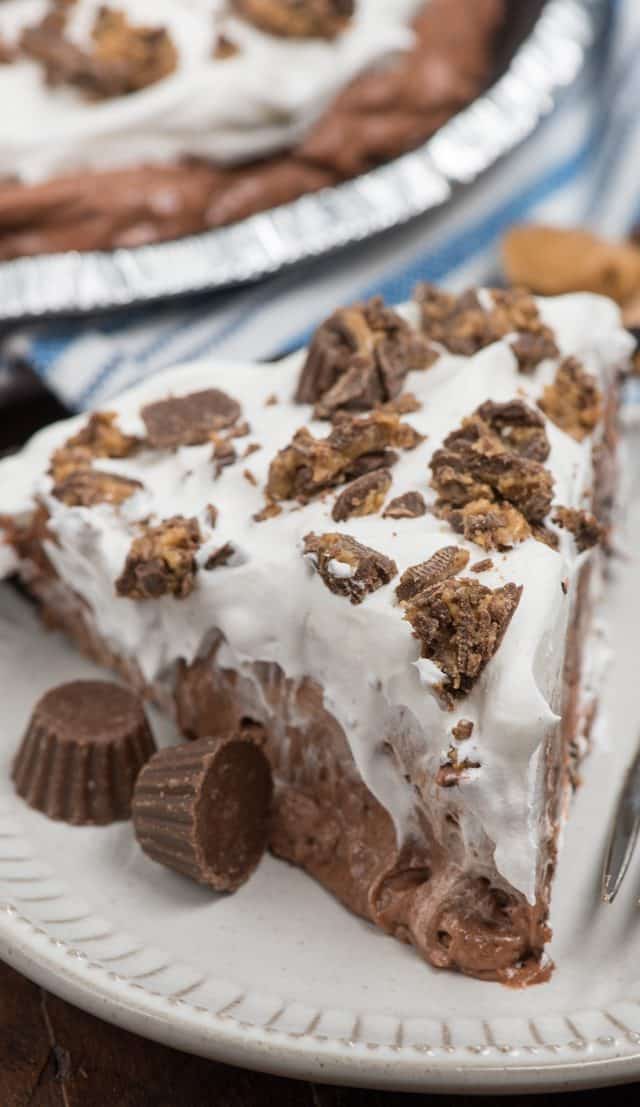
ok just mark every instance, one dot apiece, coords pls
pixel 82 750
pixel 203 809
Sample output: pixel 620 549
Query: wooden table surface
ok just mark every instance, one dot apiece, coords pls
pixel 54 1055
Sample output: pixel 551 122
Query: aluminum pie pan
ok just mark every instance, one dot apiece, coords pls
pixel 315 224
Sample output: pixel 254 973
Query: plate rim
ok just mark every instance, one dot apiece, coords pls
pixel 318 223
pixel 56 965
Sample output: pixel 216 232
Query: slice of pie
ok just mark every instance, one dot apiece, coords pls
pixel 128 123
pixel 387 554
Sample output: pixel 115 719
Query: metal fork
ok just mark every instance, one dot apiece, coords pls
pixel 624 835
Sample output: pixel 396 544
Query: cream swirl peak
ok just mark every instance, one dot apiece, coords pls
pixel 261 98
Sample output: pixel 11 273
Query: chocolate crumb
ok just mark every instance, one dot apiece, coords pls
pixel 573 402
pixel 482 566
pixel 212 515
pixel 251 448
pixel 445 563
pixel 87 487
pixel 271 400
pixel 219 557
pixel 405 404
pixel 410 505
pixel 363 496
pixel 292 19
pixel 269 511
pixel 225 48
pixel 564 584
pixel 239 430
pixel 347 567
pixel 248 475
pixel 584 526
pixel 462 730
pixel 359 357
pixel 549 538
pixel 189 420
pixel 224 454
pixel 162 561
pixel 460 625
pixel 452 771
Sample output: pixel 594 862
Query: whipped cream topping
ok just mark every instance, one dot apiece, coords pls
pixel 226 110
pixel 271 605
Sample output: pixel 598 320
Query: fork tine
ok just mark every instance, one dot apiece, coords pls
pixel 624 834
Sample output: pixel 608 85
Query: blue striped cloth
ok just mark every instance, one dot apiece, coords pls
pixel 580 167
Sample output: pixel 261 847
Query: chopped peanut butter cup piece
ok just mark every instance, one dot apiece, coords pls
pixel 516 310
pixel 86 487
pixel 460 625
pixel 297 18
pixel 203 809
pixel 462 730
pixel 458 323
pixel 123 58
pixel 519 426
pixel 309 465
pixel 346 566
pixel 584 526
pixel 100 437
pixel 573 402
pixel 127 57
pixel 363 496
pixel 491 466
pixel 104 438
pixel 189 420
pixel 82 751
pixel 359 358
pixel 162 561
pixel 410 505
pixel 494 526
pixel 445 563
pixel 464 326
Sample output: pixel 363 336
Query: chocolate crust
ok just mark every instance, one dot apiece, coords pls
pixel 382 114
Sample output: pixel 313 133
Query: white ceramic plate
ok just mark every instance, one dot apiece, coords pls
pixel 279 977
